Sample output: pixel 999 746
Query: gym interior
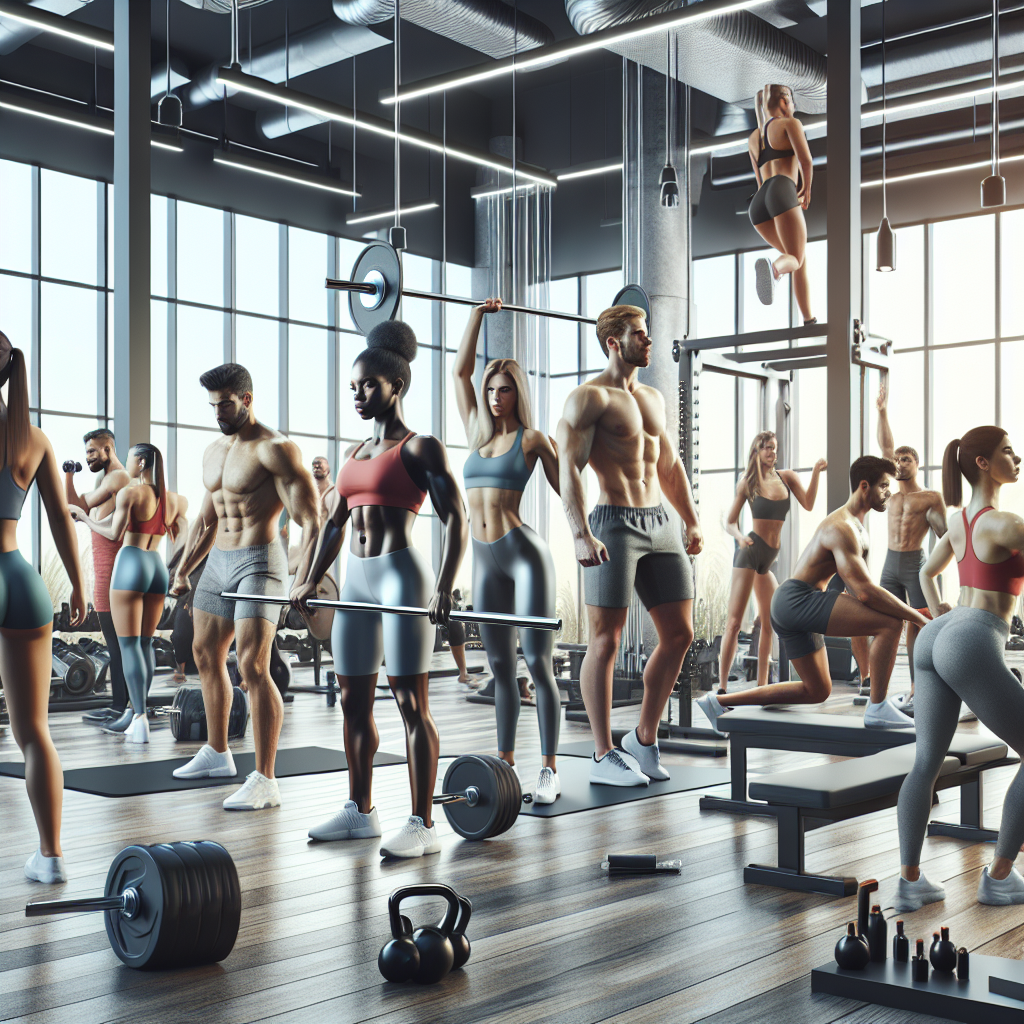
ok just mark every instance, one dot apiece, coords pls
pixel 667 610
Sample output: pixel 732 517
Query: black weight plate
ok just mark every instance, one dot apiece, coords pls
pixel 376 258
pixel 514 797
pixel 501 772
pixel 178 936
pixel 136 940
pixel 474 822
pixel 211 888
pixel 634 295
pixel 216 857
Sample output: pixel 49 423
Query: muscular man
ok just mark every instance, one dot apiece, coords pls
pixel 101 458
pixel 616 425
pixel 249 475
pixel 803 608
pixel 912 512
pixel 322 478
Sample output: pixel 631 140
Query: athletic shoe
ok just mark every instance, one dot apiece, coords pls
pixel 966 714
pixel 515 768
pixel 905 703
pixel 256 793
pixel 413 839
pixel 764 278
pixel 348 823
pixel 208 764
pixel 648 758
pixel 138 731
pixel 1000 892
pixel 617 768
pixel 886 715
pixel 911 896
pixel 101 716
pixel 121 723
pixel 48 870
pixel 549 787
pixel 713 710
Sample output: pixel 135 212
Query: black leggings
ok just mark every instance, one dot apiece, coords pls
pixel 118 687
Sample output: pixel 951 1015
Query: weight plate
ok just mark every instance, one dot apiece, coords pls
pixel 377 263
pixel 136 940
pixel 513 795
pixel 634 295
pixel 211 888
pixel 476 822
pixel 178 935
pixel 216 857
pixel 321 620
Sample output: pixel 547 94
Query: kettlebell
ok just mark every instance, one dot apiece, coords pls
pixel 455 929
pixel 425 955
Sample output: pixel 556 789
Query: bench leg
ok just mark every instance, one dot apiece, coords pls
pixel 737 802
pixel 972 809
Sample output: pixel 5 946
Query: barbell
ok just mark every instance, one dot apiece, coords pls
pixel 491 618
pixel 376 290
pixel 481 796
pixel 165 906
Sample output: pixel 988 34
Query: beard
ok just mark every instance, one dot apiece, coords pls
pixel 99 466
pixel 635 355
pixel 234 426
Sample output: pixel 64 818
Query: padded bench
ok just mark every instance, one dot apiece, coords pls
pixel 806 799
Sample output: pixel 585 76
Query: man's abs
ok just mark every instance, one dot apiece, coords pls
pixel 907 523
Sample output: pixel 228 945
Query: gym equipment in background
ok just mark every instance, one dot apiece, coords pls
pixel 74 668
pixel 427 954
pixel 188 714
pixel 481 796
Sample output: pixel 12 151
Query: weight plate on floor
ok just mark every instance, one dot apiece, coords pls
pixel 136 940
pixel 211 890
pixel 217 858
pixel 634 295
pixel 485 818
pixel 179 934
pixel 377 264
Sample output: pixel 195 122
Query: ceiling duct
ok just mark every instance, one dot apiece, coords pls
pixel 14 34
pixel 222 6
pixel 730 57
pixel 490 26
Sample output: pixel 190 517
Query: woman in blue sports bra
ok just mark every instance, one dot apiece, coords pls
pixel 512 566
pixel 26 614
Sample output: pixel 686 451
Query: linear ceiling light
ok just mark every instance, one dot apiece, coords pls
pixel 56 25
pixel 559 51
pixel 388 214
pixel 604 169
pixel 242 163
pixel 893 178
pixel 334 112
pixel 486 192
pixel 174 147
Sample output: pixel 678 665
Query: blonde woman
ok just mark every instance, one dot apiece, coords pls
pixel 783 169
pixel 768 491
pixel 512 567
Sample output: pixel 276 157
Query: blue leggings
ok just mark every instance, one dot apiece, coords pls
pixel 142 572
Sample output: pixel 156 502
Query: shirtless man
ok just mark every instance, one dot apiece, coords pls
pixel 322 478
pixel 913 511
pixel 249 475
pixel 101 457
pixel 803 608
pixel 616 425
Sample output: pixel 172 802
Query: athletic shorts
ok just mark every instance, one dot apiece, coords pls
pixel 900 577
pixel 260 569
pixel 775 196
pixel 800 615
pixel 759 556
pixel 24 599
pixel 645 552
pixel 141 571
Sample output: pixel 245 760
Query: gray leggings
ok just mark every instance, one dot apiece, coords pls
pixel 516 574
pixel 959 656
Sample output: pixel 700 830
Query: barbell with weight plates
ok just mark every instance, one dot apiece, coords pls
pixel 165 906
pixel 481 796
pixel 375 292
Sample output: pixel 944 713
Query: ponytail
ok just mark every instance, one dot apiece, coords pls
pixel 153 461
pixel 19 424
pixel 952 482
pixel 759 109
pixel 961 460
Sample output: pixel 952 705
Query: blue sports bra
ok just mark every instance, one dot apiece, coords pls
pixel 12 497
pixel 508 472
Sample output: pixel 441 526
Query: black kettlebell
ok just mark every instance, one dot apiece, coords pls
pixel 425 955
pixel 454 926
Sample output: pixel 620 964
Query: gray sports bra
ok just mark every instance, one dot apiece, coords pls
pixel 12 497
pixel 765 508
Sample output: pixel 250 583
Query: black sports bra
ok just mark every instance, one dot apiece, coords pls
pixel 767 152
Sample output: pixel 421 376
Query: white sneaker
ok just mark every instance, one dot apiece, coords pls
pixel 648 758
pixel 348 823
pixel 515 768
pixel 885 715
pixel 208 764
pixel 911 896
pixel 712 709
pixel 764 280
pixel 413 839
pixel 121 724
pixel 1001 892
pixel 138 731
pixel 617 768
pixel 48 870
pixel 257 792
pixel 549 787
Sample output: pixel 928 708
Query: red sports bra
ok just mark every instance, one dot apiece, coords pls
pixel 1006 577
pixel 155 525
pixel 382 480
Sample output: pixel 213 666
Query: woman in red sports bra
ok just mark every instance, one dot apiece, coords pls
pixel 144 513
pixel 959 657
pixel 381 486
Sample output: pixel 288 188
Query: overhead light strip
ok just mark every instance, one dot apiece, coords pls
pixel 44 21
pixel 501 191
pixel 253 168
pixel 559 51
pixel 334 112
pixel 590 171
pixel 892 179
pixel 366 218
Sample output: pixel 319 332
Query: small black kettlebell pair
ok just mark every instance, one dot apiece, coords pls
pixel 427 954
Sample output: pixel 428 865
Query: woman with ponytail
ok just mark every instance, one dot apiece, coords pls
pixel 26 614
pixel 783 171
pixel 959 657
pixel 145 511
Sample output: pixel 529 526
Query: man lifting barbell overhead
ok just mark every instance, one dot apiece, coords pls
pixel 617 426
pixel 250 474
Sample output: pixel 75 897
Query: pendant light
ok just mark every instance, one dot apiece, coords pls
pixel 885 251
pixel 993 188
pixel 669 182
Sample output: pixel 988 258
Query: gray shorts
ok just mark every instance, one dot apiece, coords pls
pixel 800 615
pixel 759 556
pixel 645 551
pixel 900 577
pixel 777 195
pixel 260 569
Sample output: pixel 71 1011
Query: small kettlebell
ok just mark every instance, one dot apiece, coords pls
pixel 456 932
pixel 852 953
pixel 942 953
pixel 425 955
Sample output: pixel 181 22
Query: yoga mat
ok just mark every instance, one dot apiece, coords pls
pixel 142 777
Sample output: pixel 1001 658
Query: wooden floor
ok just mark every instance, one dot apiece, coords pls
pixel 553 938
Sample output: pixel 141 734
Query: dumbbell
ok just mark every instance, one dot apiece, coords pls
pixel 72 467
pixel 425 955
pixel 165 906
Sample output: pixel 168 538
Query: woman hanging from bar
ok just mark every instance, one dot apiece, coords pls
pixel 381 486
pixel 26 614
pixel 783 169
pixel 512 567
pixel 768 491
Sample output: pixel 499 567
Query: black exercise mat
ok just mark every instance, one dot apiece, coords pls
pixel 579 795
pixel 143 777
